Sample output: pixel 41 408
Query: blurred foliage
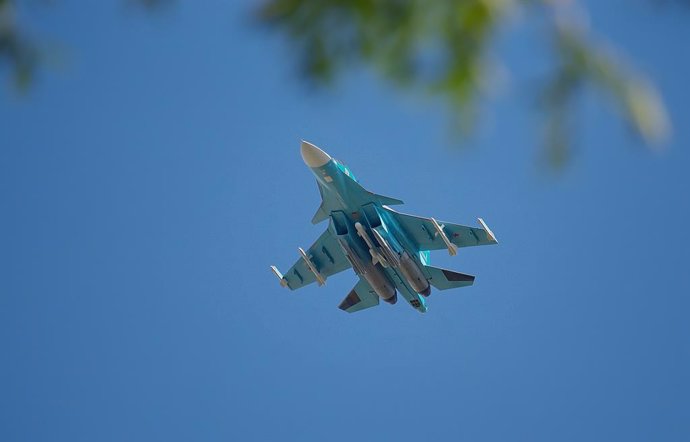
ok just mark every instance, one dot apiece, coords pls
pixel 21 54
pixel 436 45
pixel 580 63
pixel 16 50
pixel 440 47
pixel 152 5
pixel 443 47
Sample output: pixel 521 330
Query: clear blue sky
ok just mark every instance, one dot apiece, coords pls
pixel 148 183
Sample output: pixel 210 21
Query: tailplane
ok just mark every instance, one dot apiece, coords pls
pixel 360 297
pixel 444 279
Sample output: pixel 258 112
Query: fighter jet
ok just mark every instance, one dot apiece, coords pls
pixel 388 250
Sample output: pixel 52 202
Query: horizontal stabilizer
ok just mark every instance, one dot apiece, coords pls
pixel 386 200
pixel 444 279
pixel 359 298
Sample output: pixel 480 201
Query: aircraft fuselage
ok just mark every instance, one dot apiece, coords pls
pixel 371 239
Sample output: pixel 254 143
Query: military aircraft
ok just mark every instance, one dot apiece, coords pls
pixel 388 250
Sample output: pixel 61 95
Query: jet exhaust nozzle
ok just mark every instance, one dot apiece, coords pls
pixel 393 299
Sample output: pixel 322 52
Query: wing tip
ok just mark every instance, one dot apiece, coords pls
pixel 283 281
pixel 489 233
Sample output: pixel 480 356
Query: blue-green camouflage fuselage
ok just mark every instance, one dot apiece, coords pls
pixel 388 250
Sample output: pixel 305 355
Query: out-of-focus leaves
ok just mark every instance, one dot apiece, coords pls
pixel 152 5
pixel 436 46
pixel 16 51
pixel 583 63
pixel 21 54
pixel 441 47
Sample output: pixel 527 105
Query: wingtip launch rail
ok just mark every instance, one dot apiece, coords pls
pixel 276 272
pixel 488 231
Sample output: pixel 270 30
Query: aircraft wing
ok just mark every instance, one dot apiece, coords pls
pixel 360 297
pixel 326 257
pixel 424 232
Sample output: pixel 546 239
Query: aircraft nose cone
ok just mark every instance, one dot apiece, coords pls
pixel 313 156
